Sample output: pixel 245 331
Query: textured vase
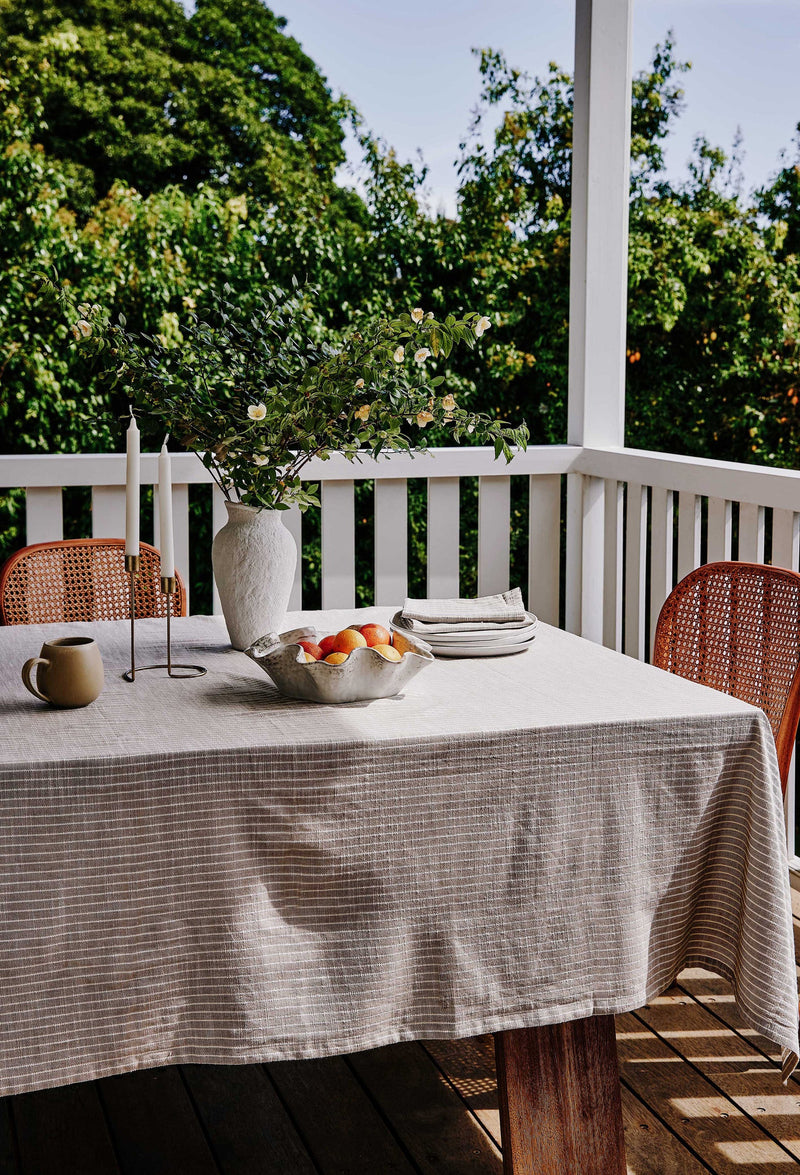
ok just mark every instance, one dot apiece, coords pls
pixel 254 557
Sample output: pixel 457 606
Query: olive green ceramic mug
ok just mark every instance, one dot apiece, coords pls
pixel 69 672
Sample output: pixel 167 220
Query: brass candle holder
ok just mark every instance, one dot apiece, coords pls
pixel 133 564
pixel 168 586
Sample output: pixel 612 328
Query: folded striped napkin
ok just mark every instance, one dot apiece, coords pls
pixel 504 608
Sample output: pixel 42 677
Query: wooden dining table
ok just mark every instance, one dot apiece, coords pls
pixel 206 871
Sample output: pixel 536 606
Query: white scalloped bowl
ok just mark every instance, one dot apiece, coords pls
pixel 364 676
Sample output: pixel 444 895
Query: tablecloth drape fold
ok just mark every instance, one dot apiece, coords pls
pixel 202 871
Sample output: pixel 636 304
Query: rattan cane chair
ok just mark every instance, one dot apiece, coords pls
pixel 81 579
pixel 736 628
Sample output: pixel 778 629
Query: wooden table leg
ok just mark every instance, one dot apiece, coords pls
pixel 560 1105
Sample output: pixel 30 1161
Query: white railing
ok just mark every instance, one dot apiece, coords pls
pixel 660 516
pixel 44 477
pixel 633 524
pixel 644 520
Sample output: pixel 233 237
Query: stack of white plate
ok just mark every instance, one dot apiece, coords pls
pixel 474 638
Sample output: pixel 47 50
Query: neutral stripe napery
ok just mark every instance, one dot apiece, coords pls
pixel 502 608
pixel 205 871
pixel 427 629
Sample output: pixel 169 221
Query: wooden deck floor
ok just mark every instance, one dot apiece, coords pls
pixel 700 1093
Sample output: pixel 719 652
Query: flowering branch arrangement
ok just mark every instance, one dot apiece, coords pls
pixel 257 395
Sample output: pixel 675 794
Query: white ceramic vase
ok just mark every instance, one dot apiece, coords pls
pixel 254 557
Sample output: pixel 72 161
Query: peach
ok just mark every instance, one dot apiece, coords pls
pixel 347 640
pixel 375 634
pixel 389 652
pixel 314 651
pixel 337 658
pixel 326 644
pixel 309 656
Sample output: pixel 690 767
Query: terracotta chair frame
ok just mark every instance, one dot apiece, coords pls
pixel 146 592
pixel 784 726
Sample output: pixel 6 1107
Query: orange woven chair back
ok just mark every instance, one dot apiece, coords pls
pixel 81 579
pixel 736 627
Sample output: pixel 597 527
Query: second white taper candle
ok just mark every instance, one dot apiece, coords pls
pixel 166 536
pixel 132 478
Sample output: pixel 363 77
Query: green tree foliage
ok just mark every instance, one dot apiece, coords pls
pixel 714 279
pixel 779 202
pixel 713 324
pixel 145 95
pixel 149 157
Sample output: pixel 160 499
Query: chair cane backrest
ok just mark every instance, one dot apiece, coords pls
pixel 736 627
pixel 81 579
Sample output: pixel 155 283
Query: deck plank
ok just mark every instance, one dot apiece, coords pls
pixel 62 1131
pixel 469 1066
pixel 438 1130
pixel 651 1148
pixel 154 1126
pixel 715 994
pixel 707 1121
pixel 730 1062
pixel 8 1149
pixel 246 1124
pixel 337 1121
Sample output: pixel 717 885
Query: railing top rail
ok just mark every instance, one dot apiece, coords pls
pixel 86 469
pixel 761 485
pixel 758 484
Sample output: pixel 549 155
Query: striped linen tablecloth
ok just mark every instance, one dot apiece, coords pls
pixel 204 871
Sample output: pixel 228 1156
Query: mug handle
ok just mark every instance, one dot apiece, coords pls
pixel 27 669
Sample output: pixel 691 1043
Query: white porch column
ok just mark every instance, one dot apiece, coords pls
pixel 598 276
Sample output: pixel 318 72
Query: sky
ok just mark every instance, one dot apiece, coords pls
pixel 410 71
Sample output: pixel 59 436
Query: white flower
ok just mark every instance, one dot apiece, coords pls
pixel 362 413
pixel 76 334
pixel 417 314
pixel 399 355
pixel 359 383
pixel 421 355
pixel 424 418
pixel 482 325
pixel 261 459
pixel 470 428
pixel 84 310
pixel 429 315
pixel 84 329
pixel 257 411
pixel 448 403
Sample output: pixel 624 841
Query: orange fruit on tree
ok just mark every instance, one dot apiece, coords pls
pixel 337 658
pixel 375 634
pixel 347 640
pixel 314 651
pixel 326 645
pixel 389 652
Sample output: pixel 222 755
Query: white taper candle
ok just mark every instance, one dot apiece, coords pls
pixel 166 537
pixel 132 480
